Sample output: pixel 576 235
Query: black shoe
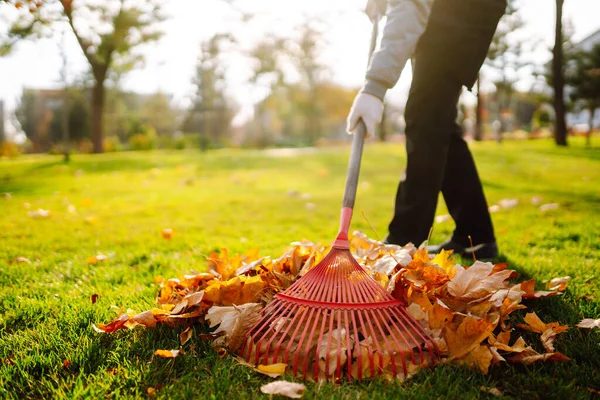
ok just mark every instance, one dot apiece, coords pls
pixel 480 251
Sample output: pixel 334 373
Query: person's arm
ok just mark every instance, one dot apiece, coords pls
pixel 406 22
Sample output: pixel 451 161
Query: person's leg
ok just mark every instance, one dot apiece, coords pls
pixel 448 56
pixel 463 194
pixel 430 114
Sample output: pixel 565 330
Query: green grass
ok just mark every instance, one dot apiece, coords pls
pixel 240 200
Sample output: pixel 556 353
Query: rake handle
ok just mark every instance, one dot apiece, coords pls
pixel 358 142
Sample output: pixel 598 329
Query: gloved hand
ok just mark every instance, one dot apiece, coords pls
pixel 367 107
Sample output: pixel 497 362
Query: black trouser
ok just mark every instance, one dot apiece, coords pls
pixel 448 56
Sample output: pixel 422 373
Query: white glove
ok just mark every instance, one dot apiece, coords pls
pixel 367 107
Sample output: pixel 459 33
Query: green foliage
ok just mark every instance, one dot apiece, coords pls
pixel 583 76
pixel 144 139
pixel 239 200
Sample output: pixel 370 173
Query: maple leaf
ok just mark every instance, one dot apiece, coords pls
pixel 589 323
pixel 284 388
pixel 502 343
pixel 480 358
pixel 477 281
pixel 535 324
pixel 468 335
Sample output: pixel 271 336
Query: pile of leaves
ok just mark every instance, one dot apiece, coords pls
pixel 466 310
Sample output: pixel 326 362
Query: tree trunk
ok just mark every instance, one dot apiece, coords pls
pixel 97 114
pixel 65 126
pixel 588 136
pixel 560 129
pixel 478 134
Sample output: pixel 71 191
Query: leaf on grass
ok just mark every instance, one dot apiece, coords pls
pixel 559 284
pixel 288 389
pixel 530 293
pixel 589 323
pixel 535 324
pixel 186 335
pixel 40 213
pixel 113 326
pixel 94 298
pixel 22 260
pixel 167 353
pixel 272 370
pixel 501 342
pixel 95 259
pixel 492 391
pixel 167 233
pixel 549 206
pixel 529 356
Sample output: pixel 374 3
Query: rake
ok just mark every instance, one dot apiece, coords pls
pixel 337 320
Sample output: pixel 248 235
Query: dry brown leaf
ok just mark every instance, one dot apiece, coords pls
pixel 559 284
pixel 535 324
pixel 186 335
pixel 589 323
pixel 476 282
pixel 492 391
pixel 272 370
pixel 234 322
pixel 284 388
pixel 167 353
pixel 529 288
pixel 529 356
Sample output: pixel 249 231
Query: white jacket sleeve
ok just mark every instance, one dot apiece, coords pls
pixel 406 22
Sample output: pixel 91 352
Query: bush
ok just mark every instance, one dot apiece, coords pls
pixel 142 142
pixel 9 149
pixel 112 143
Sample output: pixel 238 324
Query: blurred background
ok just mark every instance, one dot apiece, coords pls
pixel 99 76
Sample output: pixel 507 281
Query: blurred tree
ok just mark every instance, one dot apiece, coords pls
pixel 77 118
pixel 211 112
pixel 583 77
pixel 506 57
pixel 558 79
pixel 108 33
pixel 157 112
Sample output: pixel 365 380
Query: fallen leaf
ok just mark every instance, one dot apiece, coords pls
pixel 559 284
pixel 151 391
pixel 288 389
pixel 167 353
pixel 529 356
pixel 272 370
pixel 535 324
pixel 22 260
pixel 186 335
pixel 492 391
pixel 549 206
pixel 39 213
pixel 530 293
pixel 508 203
pixel 167 233
pixel 94 298
pixel 66 363
pixel 234 322
pixel 480 358
pixel 476 282
pixel 589 323
pixel 468 335
pixel 494 208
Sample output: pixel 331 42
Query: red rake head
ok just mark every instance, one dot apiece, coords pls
pixel 337 320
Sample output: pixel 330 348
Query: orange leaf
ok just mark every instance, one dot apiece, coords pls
pixel 469 334
pixel 167 353
pixel 535 324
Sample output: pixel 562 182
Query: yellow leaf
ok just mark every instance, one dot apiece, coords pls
pixel 251 289
pixel 186 335
pixel 167 353
pixel 284 388
pixel 443 261
pixel 479 358
pixel 272 370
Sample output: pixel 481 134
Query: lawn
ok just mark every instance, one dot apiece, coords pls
pixel 117 205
